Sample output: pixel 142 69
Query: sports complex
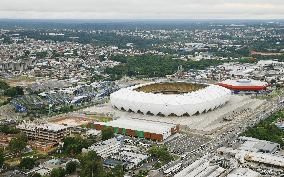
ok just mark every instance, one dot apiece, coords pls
pixel 170 99
pixel 199 108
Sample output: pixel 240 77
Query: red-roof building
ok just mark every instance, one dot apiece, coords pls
pixel 244 85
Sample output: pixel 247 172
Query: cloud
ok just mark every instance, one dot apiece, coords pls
pixel 142 9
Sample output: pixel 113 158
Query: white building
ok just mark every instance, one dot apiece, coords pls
pixel 190 103
pixel 256 145
pixel 201 168
pixel 270 159
pixel 105 148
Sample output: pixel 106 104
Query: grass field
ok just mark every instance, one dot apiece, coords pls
pixel 99 118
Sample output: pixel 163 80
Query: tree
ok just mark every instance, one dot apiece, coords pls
pixel 2 157
pixel 66 109
pixel 96 77
pixel 91 165
pixel 18 143
pixel 71 167
pixel 153 66
pixel 57 172
pixel 41 54
pixel 8 129
pixel 141 173
pixel 4 85
pixel 27 163
pixel 36 175
pixel 14 91
pixel 116 172
pixel 267 130
pixel 161 153
pixel 74 145
pixel 107 133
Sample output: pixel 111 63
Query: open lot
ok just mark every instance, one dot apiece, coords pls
pixel 70 120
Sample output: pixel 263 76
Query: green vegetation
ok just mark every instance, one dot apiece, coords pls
pixel 36 175
pixel 14 91
pixel 8 91
pixel 99 118
pixel 92 166
pixel 4 85
pixel 71 167
pixel 27 163
pixel 153 66
pixel 2 157
pixel 66 109
pixel 116 172
pixel 8 129
pixel 271 95
pixel 142 173
pixel 266 130
pixel 41 54
pixel 74 145
pixel 96 77
pixel 107 133
pixel 247 60
pixel 57 172
pixel 161 153
pixel 18 143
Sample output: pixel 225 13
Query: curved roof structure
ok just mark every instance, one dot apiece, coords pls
pixel 244 84
pixel 166 102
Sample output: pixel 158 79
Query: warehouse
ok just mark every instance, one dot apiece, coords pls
pixel 140 128
pixel 202 168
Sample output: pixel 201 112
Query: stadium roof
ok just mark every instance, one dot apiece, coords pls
pixel 199 101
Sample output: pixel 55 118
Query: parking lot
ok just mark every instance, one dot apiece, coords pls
pixel 186 143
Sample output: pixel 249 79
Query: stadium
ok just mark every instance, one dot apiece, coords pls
pixel 244 85
pixel 170 99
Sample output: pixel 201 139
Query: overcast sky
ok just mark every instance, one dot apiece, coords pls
pixel 142 9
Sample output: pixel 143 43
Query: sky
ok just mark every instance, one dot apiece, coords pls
pixel 142 9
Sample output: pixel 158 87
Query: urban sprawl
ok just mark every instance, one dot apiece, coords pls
pixel 114 99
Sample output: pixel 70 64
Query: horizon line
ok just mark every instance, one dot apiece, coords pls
pixel 144 19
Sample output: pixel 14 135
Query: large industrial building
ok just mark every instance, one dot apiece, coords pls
pixel 202 168
pixel 140 128
pixel 244 85
pixel 256 145
pixel 170 99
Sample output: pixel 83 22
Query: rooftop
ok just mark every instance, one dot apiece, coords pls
pixel 47 126
pixel 141 125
